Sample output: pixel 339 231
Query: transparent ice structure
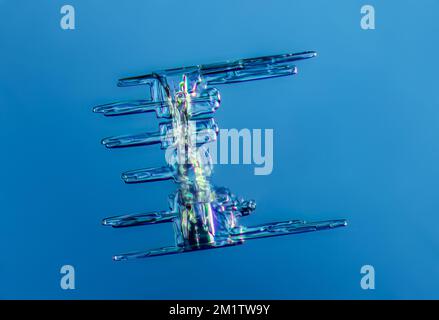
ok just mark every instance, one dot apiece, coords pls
pixel 204 216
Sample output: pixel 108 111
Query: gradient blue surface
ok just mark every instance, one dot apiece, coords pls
pixel 357 139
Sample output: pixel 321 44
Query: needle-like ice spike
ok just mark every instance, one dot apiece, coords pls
pixel 251 73
pixel 239 235
pixel 204 103
pixel 150 80
pixel 280 59
pixel 147 254
pixel 172 250
pixel 202 130
pixel 128 107
pixel 233 71
pixel 141 139
pixel 139 219
pixel 147 175
pixel 284 228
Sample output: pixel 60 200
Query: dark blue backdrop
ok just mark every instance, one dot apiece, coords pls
pixel 356 138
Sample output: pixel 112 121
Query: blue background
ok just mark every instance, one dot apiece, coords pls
pixel 356 136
